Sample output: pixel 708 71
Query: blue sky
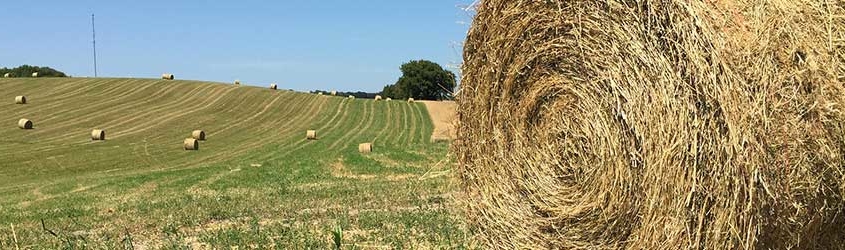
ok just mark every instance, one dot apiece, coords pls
pixel 300 44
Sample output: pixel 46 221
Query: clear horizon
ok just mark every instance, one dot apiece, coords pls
pixel 301 45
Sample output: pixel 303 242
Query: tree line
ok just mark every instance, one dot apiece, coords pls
pixel 421 80
pixel 27 70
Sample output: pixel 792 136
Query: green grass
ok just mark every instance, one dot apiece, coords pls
pixel 256 183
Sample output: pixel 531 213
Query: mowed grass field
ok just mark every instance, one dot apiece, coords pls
pixel 255 183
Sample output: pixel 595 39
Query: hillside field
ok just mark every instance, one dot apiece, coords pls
pixel 255 183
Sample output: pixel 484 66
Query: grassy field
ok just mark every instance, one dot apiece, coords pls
pixel 256 182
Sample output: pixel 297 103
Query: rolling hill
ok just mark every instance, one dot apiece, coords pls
pixel 256 181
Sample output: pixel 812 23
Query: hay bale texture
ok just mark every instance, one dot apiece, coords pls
pixel 98 135
pixel 198 135
pixel 191 144
pixel 20 99
pixel 311 134
pixel 24 124
pixel 365 148
pixel 168 76
pixel 653 124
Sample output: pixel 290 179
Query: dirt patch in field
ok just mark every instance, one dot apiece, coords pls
pixel 443 115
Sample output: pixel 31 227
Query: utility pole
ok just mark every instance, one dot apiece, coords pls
pixel 94 42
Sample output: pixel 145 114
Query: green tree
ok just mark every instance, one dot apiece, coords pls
pixel 27 70
pixel 424 80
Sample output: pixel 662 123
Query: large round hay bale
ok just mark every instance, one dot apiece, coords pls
pixel 237 82
pixel 191 144
pixel 378 98
pixel 389 99
pixel 365 148
pixel 7 75
pixel 25 124
pixel 168 76
pixel 334 92
pixel 311 134
pixel 34 74
pixel 98 135
pixel 351 97
pixel 652 125
pixel 274 86
pixel 198 134
pixel 410 100
pixel 20 99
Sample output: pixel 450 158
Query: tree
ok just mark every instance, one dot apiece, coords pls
pixel 424 80
pixel 27 70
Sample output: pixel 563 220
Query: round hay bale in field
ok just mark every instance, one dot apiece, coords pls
pixel 98 135
pixel 25 124
pixel 410 99
pixel 334 92
pixel 168 76
pixel 319 93
pixel 20 99
pixel 365 148
pixel 351 97
pixel 34 74
pixel 656 125
pixel 198 134
pixel 7 75
pixel 389 99
pixel 191 144
pixel 378 98
pixel 311 134
pixel 237 82
pixel 274 86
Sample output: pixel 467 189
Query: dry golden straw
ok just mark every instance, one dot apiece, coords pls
pixel 654 124
pixel 25 124
pixel 311 134
pixel 365 148
pixel 198 134
pixel 191 144
pixel 168 76
pixel 20 99
pixel 98 135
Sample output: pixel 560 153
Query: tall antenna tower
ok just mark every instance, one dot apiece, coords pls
pixel 94 42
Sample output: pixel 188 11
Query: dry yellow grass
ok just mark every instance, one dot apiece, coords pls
pixel 655 124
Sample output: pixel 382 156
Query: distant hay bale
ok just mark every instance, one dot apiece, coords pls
pixel 389 99
pixel 35 74
pixel 98 135
pixel 7 75
pixel 237 82
pixel 378 98
pixel 311 134
pixel 365 148
pixel 198 134
pixel 25 124
pixel 334 92
pixel 20 99
pixel 274 86
pixel 191 144
pixel 351 97
pixel 410 99
pixel 653 124
pixel 168 76
pixel 319 93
